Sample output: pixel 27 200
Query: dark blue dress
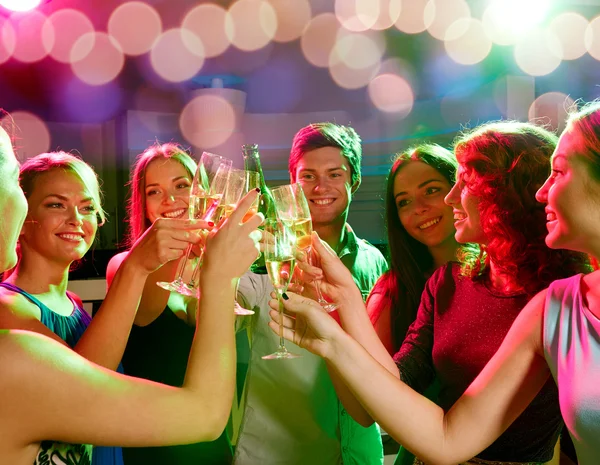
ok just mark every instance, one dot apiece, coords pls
pixel 69 329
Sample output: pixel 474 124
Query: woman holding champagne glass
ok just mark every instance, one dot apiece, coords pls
pixel 163 330
pixel 55 400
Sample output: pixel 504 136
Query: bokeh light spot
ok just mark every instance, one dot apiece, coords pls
pixel 254 24
pixel 177 55
pixel 32 135
pixel 357 15
pixel 20 5
pixel 439 15
pixel 592 38
pixel 207 121
pixel 505 21
pixel 68 26
pixel 570 29
pixel 392 94
pixel 8 40
pixel 538 53
pixel 412 16
pixel 104 61
pixel 469 43
pixel 358 51
pixel 33 41
pixel 352 78
pixel 292 18
pixel 209 22
pixel 551 108
pixel 319 39
pixel 389 13
pixel 135 26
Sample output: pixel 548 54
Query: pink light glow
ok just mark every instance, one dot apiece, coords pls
pixel 102 63
pixel 7 40
pixel 207 121
pixel 209 22
pixel 20 5
pixel 33 136
pixel 33 40
pixel 136 26
pixel 68 26
pixel 177 55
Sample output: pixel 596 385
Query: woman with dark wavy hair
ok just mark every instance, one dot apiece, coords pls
pixel 420 233
pixel 466 310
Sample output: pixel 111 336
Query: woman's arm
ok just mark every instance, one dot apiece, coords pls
pixel 339 285
pixel 104 341
pixel 498 395
pixel 56 394
pixel 382 321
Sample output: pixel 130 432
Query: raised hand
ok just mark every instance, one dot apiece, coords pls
pixel 335 279
pixel 231 249
pixel 167 239
pixel 306 324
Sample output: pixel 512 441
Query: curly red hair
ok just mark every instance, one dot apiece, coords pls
pixel 504 165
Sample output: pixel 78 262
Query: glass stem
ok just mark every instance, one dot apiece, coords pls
pixel 196 271
pixel 181 266
pixel 280 308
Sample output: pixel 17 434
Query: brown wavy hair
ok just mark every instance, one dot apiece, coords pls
pixel 505 163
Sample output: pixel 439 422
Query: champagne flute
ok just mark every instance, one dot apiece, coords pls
pixel 293 207
pixel 208 186
pixel 279 242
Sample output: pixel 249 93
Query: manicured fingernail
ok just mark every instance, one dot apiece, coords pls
pixel 211 224
pixel 257 189
pixel 284 296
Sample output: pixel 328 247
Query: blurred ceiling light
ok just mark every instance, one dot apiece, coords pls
pixel 254 24
pixel 292 18
pixel 389 13
pixel 412 16
pixel 103 62
pixel 21 5
pixel 439 15
pixel 177 55
pixel 33 136
pixel 319 39
pixel 357 15
pixel 68 26
pixel 538 53
pixel 136 26
pixel 210 23
pixel 570 29
pixel 391 93
pixel 551 108
pixel 469 45
pixel 592 38
pixel 505 21
pixel 8 40
pixel 33 40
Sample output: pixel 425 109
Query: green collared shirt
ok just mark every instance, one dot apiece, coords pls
pixel 293 415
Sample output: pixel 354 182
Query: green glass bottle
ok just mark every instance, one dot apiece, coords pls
pixel 266 204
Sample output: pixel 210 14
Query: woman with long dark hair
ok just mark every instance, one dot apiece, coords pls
pixel 466 310
pixel 420 237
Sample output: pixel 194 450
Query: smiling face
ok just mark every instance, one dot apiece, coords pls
pixel 13 206
pixel 167 189
pixel 62 221
pixel 571 198
pixel 467 218
pixel 324 174
pixel 419 192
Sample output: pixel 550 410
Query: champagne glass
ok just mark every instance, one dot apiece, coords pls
pixel 279 242
pixel 293 208
pixel 208 186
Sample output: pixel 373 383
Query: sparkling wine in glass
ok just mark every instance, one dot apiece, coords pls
pixel 208 187
pixel 279 242
pixel 293 208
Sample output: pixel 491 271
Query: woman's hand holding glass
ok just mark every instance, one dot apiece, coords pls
pixel 206 193
pixel 279 244
pixel 231 248
pixel 294 208
pixel 305 323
